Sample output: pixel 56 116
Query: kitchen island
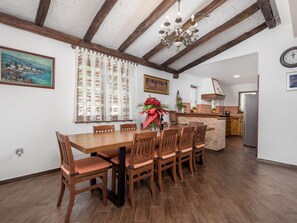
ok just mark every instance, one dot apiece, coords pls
pixel 215 139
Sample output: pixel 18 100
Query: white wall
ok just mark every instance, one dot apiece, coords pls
pixel 30 116
pixel 231 92
pixel 278 107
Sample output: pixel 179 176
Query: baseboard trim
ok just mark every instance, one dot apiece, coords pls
pixel 29 176
pixel 290 166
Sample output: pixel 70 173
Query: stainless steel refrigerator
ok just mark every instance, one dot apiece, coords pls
pixel 250 120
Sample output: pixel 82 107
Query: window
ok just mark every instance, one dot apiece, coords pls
pixel 105 88
pixel 193 95
pixel 241 97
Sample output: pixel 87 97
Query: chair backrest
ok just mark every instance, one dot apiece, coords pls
pixel 143 147
pixel 103 128
pixel 168 142
pixel 127 127
pixel 67 160
pixel 172 117
pixel 195 123
pixel 199 137
pixel 186 137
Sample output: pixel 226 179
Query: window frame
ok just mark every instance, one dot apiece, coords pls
pixel 244 92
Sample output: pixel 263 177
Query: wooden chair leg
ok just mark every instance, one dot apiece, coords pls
pixel 191 163
pixel 202 158
pixel 131 189
pixel 152 181
pixel 174 172
pixel 180 170
pixel 113 178
pixel 160 181
pixel 104 188
pixel 70 204
pixel 61 193
pixel 194 161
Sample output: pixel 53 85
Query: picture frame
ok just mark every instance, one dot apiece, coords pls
pixel 217 87
pixel 156 85
pixel 291 81
pixel 27 69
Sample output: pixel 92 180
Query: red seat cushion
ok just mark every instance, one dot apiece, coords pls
pixel 91 164
pixel 115 160
pixel 109 153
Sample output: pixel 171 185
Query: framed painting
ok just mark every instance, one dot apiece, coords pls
pixel 217 87
pixel 26 69
pixel 156 85
pixel 292 81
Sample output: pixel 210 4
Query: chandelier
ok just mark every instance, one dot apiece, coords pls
pixel 178 36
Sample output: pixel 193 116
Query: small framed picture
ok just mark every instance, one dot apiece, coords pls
pixel 156 85
pixel 292 81
pixel 217 87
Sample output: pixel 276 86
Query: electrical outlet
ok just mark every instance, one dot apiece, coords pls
pixel 19 151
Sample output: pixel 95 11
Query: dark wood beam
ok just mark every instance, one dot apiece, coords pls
pixel 99 18
pixel 151 19
pixel 42 12
pixel 232 22
pixel 267 13
pixel 198 16
pixel 224 47
pixel 44 31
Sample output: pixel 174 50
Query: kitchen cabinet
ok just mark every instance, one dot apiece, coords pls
pixel 234 126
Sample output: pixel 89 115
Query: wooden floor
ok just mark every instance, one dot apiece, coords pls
pixel 233 187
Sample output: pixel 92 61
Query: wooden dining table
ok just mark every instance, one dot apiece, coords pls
pixel 91 143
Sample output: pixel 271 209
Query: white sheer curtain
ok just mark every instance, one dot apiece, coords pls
pixel 105 87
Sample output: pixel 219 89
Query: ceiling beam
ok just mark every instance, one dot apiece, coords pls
pixel 230 23
pixel 42 12
pixel 198 16
pixel 44 31
pixel 151 19
pixel 224 47
pixel 267 13
pixel 99 18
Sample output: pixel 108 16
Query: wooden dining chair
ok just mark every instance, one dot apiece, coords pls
pixel 139 163
pixel 185 150
pixel 77 171
pixel 195 123
pixel 127 127
pixel 199 145
pixel 165 154
pixel 173 117
pixel 108 154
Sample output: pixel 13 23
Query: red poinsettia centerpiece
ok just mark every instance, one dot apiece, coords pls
pixel 154 110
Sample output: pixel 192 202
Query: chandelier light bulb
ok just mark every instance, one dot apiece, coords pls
pixel 192 18
pixel 167 18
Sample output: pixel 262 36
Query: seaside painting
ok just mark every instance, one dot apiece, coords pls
pixel 26 69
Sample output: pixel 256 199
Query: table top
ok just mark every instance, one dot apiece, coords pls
pixel 94 142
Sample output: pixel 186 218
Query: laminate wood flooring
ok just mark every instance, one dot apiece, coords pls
pixel 231 187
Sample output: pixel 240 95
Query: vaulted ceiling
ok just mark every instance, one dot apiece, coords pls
pixel 128 29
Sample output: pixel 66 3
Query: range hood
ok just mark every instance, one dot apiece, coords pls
pixel 214 90
pixel 212 97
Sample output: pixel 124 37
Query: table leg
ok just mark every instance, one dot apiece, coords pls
pixel 93 181
pixel 119 199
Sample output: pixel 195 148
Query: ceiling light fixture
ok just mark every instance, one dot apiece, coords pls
pixel 236 76
pixel 181 37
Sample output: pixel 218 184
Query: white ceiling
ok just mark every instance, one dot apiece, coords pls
pixel 75 16
pixel 245 66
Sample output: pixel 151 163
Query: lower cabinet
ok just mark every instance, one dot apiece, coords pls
pixel 234 126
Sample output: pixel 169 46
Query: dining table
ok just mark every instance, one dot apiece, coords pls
pixel 92 143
